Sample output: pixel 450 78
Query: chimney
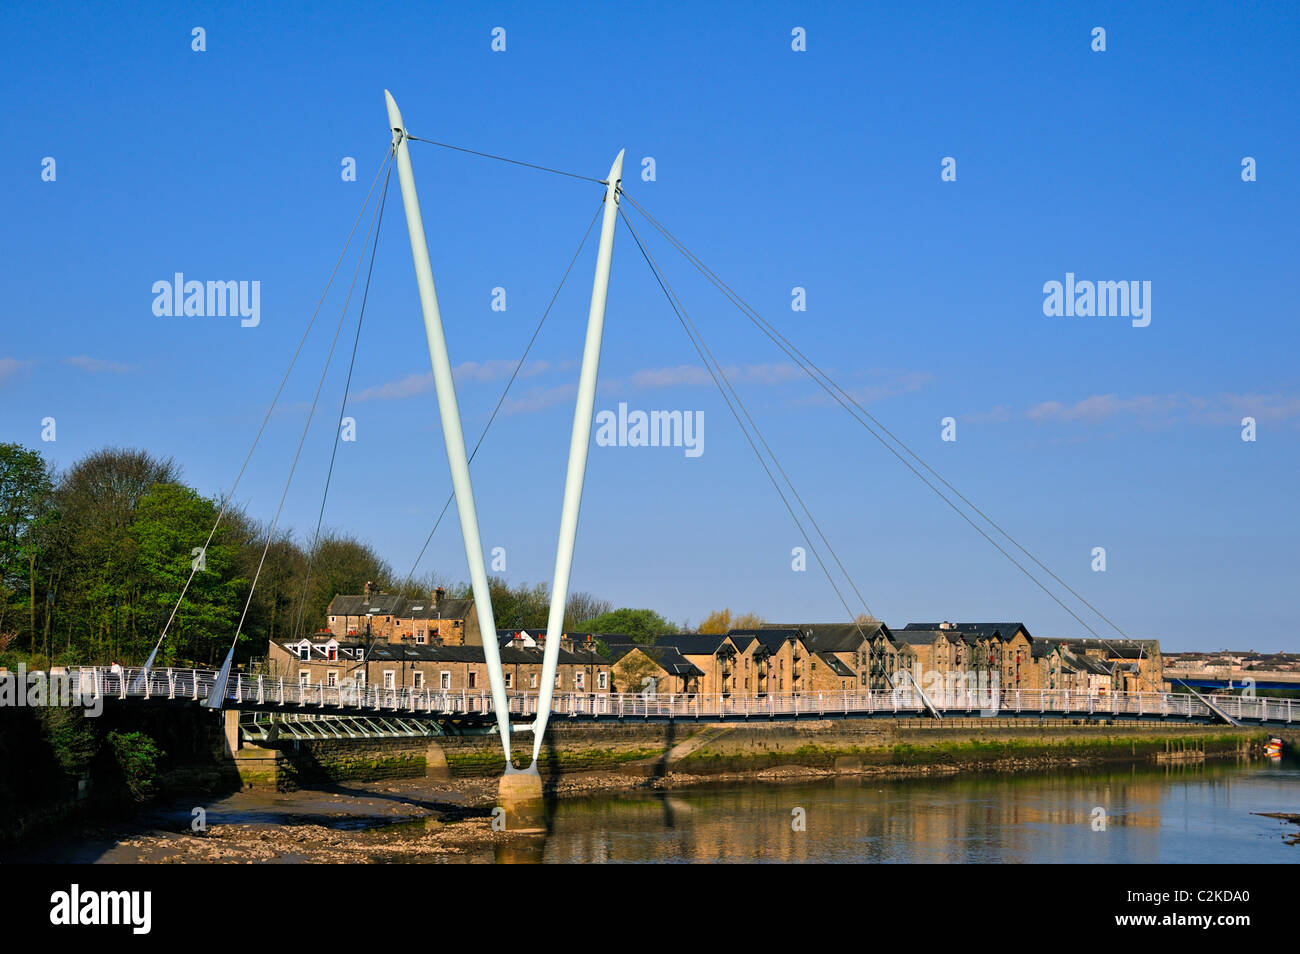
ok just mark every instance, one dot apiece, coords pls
pixel 438 595
pixel 370 588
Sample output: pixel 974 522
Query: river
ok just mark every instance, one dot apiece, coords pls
pixel 1179 813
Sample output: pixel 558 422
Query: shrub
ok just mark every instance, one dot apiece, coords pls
pixel 137 755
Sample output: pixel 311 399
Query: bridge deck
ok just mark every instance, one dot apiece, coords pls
pixel 194 686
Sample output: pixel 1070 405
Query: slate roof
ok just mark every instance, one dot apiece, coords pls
pixel 668 658
pixel 694 644
pixel 1120 648
pixel 391 604
pixel 917 637
pixel 771 639
pixel 388 652
pixel 348 649
pixel 985 630
pixel 835 637
pixel 835 664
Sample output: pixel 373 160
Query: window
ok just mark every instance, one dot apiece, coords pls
pixel 532 680
pixel 557 680
pixel 579 680
pixel 304 652
pixel 444 679
pixel 304 677
pixel 421 638
pixel 334 654
pixel 602 680
pixel 390 679
pixel 332 678
pixel 331 619
pixel 417 680
pixel 510 680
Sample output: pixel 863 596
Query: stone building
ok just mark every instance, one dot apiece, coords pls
pixel 391 618
pixel 654 669
pixel 409 665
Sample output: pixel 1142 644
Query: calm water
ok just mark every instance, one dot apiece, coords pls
pixel 1180 814
pixel 1195 813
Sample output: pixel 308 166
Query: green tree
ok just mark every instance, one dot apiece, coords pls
pixel 97 597
pixel 171 522
pixel 26 512
pixel 581 608
pixel 338 563
pixel 643 625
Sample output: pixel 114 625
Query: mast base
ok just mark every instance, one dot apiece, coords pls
pixel 519 796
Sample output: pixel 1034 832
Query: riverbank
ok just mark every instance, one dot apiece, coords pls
pixel 435 800
pixel 682 750
pixel 603 816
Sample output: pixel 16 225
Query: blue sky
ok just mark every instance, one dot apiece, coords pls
pixel 818 169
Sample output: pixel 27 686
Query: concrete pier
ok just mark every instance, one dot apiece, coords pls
pixel 520 798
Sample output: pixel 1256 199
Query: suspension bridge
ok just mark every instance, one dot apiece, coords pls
pixel 260 693
pixel 514 713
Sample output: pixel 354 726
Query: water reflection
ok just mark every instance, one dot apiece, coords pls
pixel 1171 814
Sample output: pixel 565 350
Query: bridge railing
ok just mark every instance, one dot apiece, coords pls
pixel 263 691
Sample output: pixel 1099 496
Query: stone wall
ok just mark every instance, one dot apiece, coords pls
pixel 649 749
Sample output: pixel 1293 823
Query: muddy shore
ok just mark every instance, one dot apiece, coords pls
pixel 408 820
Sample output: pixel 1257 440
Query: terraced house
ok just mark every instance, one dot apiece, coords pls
pixel 330 662
pixel 436 643
pixel 391 618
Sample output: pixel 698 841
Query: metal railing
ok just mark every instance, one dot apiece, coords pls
pixel 267 691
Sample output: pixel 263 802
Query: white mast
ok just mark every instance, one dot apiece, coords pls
pixel 451 429
pixel 578 445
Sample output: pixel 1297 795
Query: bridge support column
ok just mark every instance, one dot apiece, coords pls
pixel 230 729
pixel 435 763
pixel 520 798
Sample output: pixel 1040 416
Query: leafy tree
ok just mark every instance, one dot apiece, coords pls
pixel 68 735
pixel 643 625
pixel 137 755
pixel 26 510
pixel 631 671
pixel 338 563
pixel 171 522
pixel 99 587
pixel 581 608
pixel 721 621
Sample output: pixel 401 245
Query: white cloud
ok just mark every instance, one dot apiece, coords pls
pixel 468 372
pixel 10 366
pixel 540 399
pixel 99 365
pixel 691 375
pixel 406 387
pixel 1154 409
pixel 885 384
